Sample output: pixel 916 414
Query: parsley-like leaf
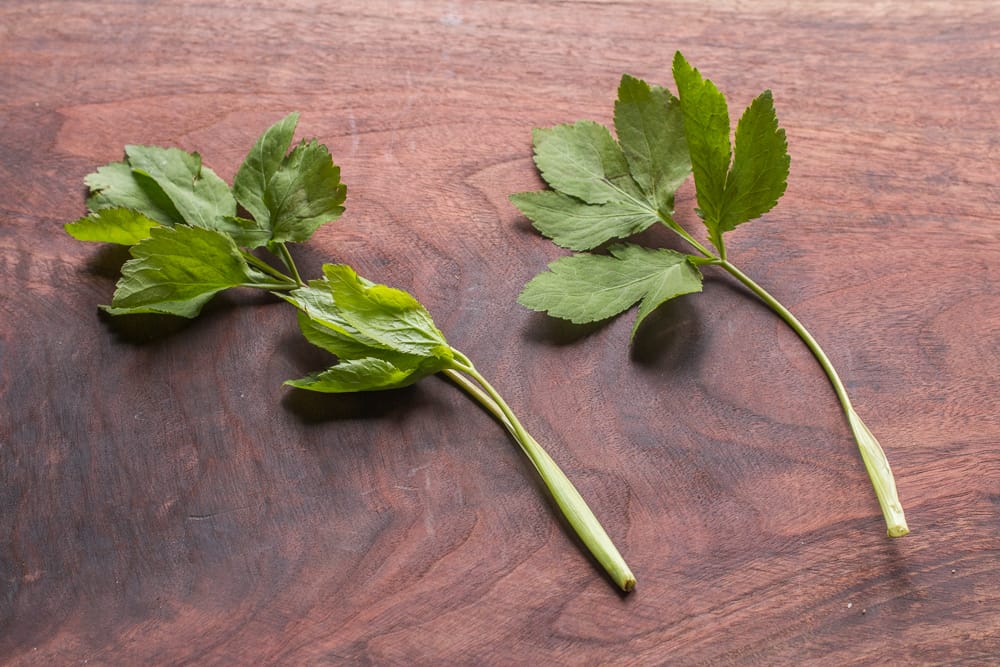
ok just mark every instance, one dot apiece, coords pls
pixel 577 225
pixel 706 128
pixel 289 196
pixel 123 226
pixel 588 288
pixel 177 270
pixel 732 187
pixel 650 127
pixel 382 337
pixel 584 161
pixel 760 165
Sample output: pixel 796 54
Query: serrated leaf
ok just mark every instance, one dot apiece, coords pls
pixel 589 288
pixel 260 165
pixel 323 324
pixel 115 185
pixel 199 195
pixel 177 270
pixel 368 374
pixel 760 165
pixel 303 193
pixel 650 127
pixel 389 316
pixel 112 225
pixel 706 126
pixel 577 225
pixel 584 161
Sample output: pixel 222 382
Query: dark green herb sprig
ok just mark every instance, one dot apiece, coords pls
pixel 605 189
pixel 189 242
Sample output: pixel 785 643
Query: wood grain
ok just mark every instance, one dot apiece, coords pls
pixel 164 500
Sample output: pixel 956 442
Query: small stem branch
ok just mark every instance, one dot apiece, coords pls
pixel 265 267
pixel 569 500
pixel 286 257
pixel 872 454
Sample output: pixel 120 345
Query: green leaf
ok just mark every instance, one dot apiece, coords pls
pixel 289 196
pixel 199 195
pixel 261 163
pixel 367 374
pixel 389 316
pixel 706 126
pixel 583 160
pixel 760 165
pixel 650 127
pixel 342 344
pixel 304 193
pixel 384 356
pixel 574 224
pixel 589 288
pixel 324 325
pixel 177 270
pixel 112 225
pixel 115 185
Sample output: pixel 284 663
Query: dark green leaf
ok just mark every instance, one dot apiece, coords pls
pixel 650 127
pixel 760 165
pixel 706 126
pixel 589 288
pixel 261 163
pixel 584 161
pixel 112 225
pixel 177 270
pixel 576 225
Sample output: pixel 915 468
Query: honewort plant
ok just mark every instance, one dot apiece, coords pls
pixel 189 241
pixel 603 189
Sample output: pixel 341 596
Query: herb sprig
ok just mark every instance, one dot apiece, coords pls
pixel 604 189
pixel 189 241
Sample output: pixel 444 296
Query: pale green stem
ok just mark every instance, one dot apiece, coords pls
pixel 265 267
pixel 569 500
pixel 286 257
pixel 871 452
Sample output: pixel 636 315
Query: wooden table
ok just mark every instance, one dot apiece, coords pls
pixel 165 500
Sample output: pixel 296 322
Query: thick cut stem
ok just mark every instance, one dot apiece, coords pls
pixel 871 452
pixel 569 500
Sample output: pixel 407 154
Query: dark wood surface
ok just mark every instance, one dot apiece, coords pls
pixel 164 500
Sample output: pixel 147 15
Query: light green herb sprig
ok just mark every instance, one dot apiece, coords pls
pixel 603 189
pixel 189 241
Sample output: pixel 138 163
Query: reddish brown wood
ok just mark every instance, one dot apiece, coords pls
pixel 163 499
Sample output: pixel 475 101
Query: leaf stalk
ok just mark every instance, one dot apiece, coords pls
pixel 871 451
pixel 570 502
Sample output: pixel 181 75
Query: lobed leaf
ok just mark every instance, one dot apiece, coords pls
pixel 584 161
pixel 650 127
pixel 177 270
pixel 577 225
pixel 259 167
pixel 589 288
